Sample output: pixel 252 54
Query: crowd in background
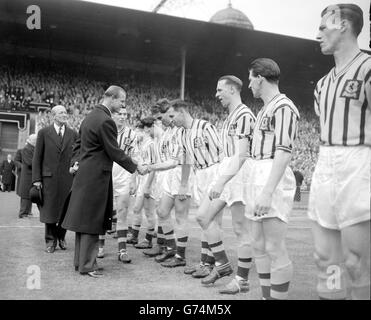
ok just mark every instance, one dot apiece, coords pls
pixel 24 81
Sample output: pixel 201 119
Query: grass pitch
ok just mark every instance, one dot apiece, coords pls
pixel 23 254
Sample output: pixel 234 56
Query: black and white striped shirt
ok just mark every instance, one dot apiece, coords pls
pixel 200 145
pixel 275 129
pixel 238 125
pixel 126 140
pixel 342 101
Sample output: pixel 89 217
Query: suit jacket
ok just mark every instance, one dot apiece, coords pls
pixel 7 171
pixel 50 165
pixel 90 205
pixel 25 182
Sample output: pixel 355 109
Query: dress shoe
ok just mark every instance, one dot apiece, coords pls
pixel 217 273
pixel 235 286
pixel 50 249
pixel 96 274
pixel 167 254
pixel 62 244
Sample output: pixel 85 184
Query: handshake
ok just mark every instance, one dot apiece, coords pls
pixel 144 169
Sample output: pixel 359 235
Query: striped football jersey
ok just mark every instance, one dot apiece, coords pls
pixel 275 129
pixel 126 140
pixel 166 143
pixel 200 145
pixel 342 102
pixel 238 125
pixel 147 151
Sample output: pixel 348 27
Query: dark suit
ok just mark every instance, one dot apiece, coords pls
pixel 89 211
pixel 25 182
pixel 7 171
pixel 50 165
pixel 18 165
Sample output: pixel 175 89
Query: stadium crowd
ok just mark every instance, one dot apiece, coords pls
pixel 33 80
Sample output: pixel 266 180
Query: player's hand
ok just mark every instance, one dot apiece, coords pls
pixel 142 169
pixel 182 193
pixel 38 184
pixel 216 191
pixel 263 204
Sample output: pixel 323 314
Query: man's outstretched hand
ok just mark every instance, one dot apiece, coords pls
pixel 143 169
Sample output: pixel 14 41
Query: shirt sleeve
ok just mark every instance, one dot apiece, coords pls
pixel 245 125
pixel 285 128
pixel 152 153
pixel 177 149
pixel 317 92
pixel 368 86
pixel 213 141
pixel 131 149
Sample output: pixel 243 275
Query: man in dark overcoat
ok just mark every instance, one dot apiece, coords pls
pixel 50 170
pixel 18 165
pixel 7 173
pixel 89 211
pixel 25 181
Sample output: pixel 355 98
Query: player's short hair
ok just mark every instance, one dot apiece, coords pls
pixel 179 104
pixel 233 81
pixel 114 92
pixel 147 122
pixel 161 106
pixel 266 68
pixel 350 12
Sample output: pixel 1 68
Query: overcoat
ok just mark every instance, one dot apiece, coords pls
pixel 25 183
pixel 7 170
pixel 18 165
pixel 51 164
pixel 90 203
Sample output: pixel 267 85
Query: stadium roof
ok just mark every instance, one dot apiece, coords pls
pixel 143 37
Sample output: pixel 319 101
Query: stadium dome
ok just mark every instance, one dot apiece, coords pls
pixel 232 17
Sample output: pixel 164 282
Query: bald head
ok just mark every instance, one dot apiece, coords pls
pixel 59 115
pixel 32 139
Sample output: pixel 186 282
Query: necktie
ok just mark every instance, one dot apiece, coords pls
pixel 60 134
